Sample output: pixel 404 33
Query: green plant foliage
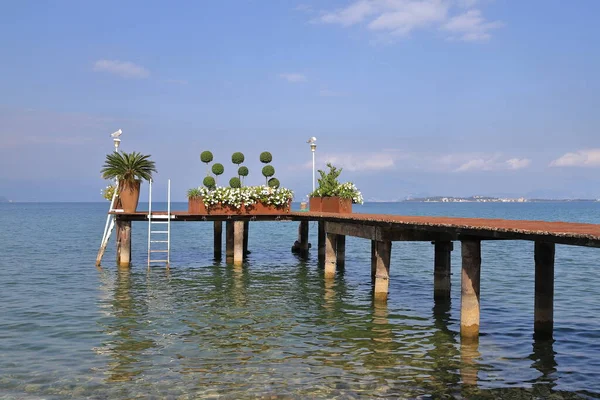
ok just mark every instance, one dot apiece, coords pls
pixel 194 193
pixel 128 167
pixel 274 183
pixel 243 171
pixel 108 192
pixel 206 156
pixel 268 171
pixel 266 157
pixel 328 182
pixel 209 182
pixel 237 158
pixel 218 169
pixel 235 183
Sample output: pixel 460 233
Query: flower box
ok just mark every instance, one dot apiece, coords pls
pixel 315 204
pixel 336 205
pixel 196 206
pixel 253 209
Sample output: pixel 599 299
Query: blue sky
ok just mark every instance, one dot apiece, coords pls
pixel 410 97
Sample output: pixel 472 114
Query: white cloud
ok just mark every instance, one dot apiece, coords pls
pixel 493 163
pixel 581 158
pixel 375 161
pixel 293 77
pixel 470 26
pixel 124 69
pixel 400 17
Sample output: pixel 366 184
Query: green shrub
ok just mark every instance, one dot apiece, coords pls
pixel 328 183
pixel 206 156
pixel 218 169
pixel 268 171
pixel 209 182
pixel 274 183
pixel 243 171
pixel 237 158
pixel 235 183
pixel 266 157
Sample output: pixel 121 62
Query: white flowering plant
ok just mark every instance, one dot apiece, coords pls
pixel 348 190
pixel 108 192
pixel 246 196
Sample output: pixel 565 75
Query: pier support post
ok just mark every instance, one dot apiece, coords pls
pixel 442 271
pixel 238 242
pixel 544 290
pixel 321 242
pixel 301 245
pixel 330 255
pixel 341 251
pixel 218 239
pixel 229 241
pixel 383 253
pixel 470 277
pixel 246 230
pixel 373 260
pixel 123 243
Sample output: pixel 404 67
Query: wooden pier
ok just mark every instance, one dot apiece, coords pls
pixel 382 230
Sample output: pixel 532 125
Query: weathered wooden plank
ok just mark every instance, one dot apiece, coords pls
pixel 238 242
pixel 330 255
pixel 442 271
pixel 470 278
pixel 383 253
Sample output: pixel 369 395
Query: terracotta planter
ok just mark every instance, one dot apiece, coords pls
pixel 315 204
pixel 260 208
pixel 129 195
pixel 336 205
pixel 223 209
pixel 196 206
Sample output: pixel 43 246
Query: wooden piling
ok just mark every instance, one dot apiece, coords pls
pixel 229 241
pixel 470 278
pixel 544 290
pixel 442 271
pixel 330 255
pixel 341 251
pixel 246 230
pixel 238 242
pixel 321 242
pixel 301 245
pixel 218 239
pixel 373 260
pixel 123 243
pixel 383 253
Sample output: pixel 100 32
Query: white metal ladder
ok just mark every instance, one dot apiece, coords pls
pixel 109 226
pixel 157 221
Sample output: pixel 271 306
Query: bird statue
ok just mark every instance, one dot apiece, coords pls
pixel 311 140
pixel 116 134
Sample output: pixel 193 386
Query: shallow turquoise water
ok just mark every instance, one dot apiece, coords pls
pixel 275 328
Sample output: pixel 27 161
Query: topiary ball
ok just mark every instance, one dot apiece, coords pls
pixel 266 157
pixel 235 183
pixel 218 169
pixel 209 182
pixel 268 171
pixel 243 171
pixel 274 183
pixel 206 156
pixel 237 158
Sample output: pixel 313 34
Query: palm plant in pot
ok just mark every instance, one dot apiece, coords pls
pixel 129 169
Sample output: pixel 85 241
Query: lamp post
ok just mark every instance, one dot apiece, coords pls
pixel 313 148
pixel 116 140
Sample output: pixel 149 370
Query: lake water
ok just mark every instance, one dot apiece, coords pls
pixel 275 328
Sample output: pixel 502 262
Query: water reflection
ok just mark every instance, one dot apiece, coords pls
pixel 544 360
pixel 123 326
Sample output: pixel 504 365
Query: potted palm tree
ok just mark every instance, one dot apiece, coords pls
pixel 129 169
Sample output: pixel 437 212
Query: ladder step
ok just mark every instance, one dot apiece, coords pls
pixel 159 222
pixel 159 231
pixel 159 251
pixel 159 241
pixel 160 216
pixel 158 261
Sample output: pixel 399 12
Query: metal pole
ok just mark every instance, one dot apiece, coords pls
pixel 313 178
